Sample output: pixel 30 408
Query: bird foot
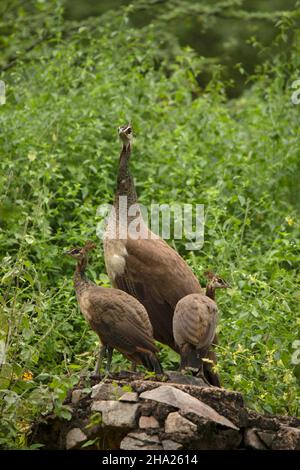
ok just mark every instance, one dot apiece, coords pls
pixel 202 377
pixel 192 371
pixel 185 378
pixel 124 374
pixel 96 376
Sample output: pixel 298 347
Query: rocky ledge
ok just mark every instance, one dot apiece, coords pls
pixel 157 415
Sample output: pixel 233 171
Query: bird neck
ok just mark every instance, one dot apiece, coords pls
pixel 81 282
pixel 125 183
pixel 210 291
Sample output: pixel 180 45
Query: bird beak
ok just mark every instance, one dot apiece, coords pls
pixel 227 286
pixel 68 252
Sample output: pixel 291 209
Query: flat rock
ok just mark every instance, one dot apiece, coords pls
pixel 227 403
pixel 267 437
pixel 140 441
pixel 116 413
pixel 106 391
pixel 176 423
pixel 179 378
pixel 287 438
pixel 130 396
pixel 74 438
pixel 253 441
pixel 168 444
pixel 271 422
pixel 76 395
pixel 185 402
pixel 148 422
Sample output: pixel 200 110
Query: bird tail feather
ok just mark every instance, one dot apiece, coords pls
pixel 151 362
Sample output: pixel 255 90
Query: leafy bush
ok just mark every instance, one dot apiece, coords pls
pixel 65 98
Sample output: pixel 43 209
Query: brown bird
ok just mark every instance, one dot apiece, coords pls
pixel 143 264
pixel 120 320
pixel 194 324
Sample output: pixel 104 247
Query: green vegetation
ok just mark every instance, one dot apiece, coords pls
pixel 59 152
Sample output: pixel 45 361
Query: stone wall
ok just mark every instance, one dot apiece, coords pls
pixel 155 415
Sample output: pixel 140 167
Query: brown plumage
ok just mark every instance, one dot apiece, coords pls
pixel 146 266
pixel 194 324
pixel 120 320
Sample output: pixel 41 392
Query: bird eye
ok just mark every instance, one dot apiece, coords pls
pixel 129 130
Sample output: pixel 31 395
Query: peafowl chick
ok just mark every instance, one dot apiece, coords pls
pixel 120 320
pixel 194 324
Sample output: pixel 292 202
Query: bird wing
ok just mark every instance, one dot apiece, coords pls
pixel 117 318
pixel 195 321
pixel 158 277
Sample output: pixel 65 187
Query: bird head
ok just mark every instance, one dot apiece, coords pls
pixel 216 281
pixel 125 134
pixel 80 252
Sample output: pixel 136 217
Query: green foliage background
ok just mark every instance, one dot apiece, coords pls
pixel 69 85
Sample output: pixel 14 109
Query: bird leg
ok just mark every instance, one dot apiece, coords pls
pixel 201 373
pixel 109 358
pixel 101 355
pixel 212 376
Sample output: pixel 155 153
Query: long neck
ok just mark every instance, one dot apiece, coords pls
pixel 210 291
pixel 126 220
pixel 125 183
pixel 81 282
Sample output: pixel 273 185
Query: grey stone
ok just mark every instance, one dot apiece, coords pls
pixel 106 391
pixel 212 439
pixel 171 445
pixel 271 422
pixel 287 438
pixel 140 441
pixel 116 413
pixel 130 396
pixel 267 437
pixel 179 399
pixel 176 423
pixel 253 441
pixel 74 438
pixel 146 422
pixel 180 378
pixel 76 395
pixel 227 403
